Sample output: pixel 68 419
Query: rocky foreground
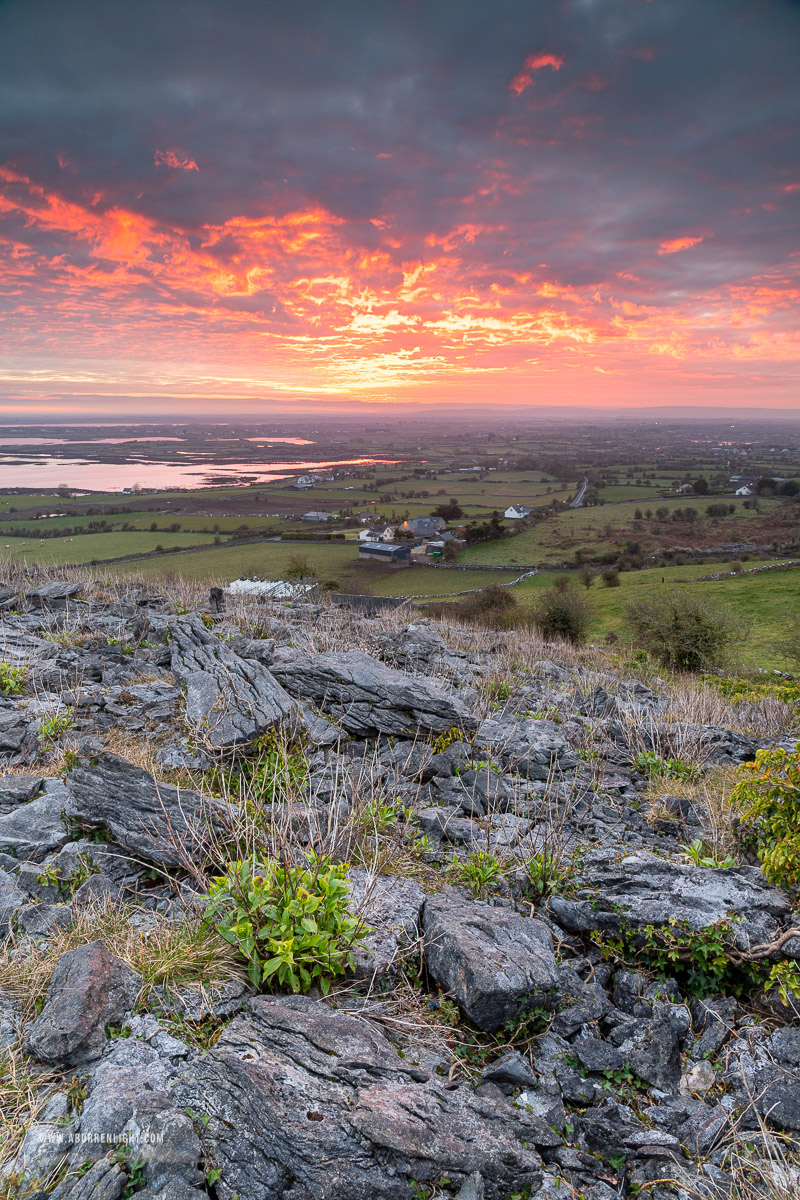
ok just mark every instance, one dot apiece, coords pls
pixel 514 849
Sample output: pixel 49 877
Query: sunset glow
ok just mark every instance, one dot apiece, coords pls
pixel 577 223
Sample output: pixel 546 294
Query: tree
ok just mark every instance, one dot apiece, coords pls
pixel 449 512
pixel 700 487
pixel 683 631
pixel 586 576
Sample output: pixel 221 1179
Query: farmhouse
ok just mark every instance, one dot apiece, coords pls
pixel 422 527
pixel 516 512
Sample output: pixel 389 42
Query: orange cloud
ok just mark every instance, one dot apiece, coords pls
pixel 309 301
pixel 684 243
pixel 534 62
pixel 174 158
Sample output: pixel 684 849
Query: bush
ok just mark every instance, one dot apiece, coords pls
pixel 788 643
pixel 291 923
pixel 562 613
pixel 768 800
pixel 489 604
pixel 682 631
pixel 610 578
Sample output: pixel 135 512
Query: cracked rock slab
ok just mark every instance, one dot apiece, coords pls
pixel 230 701
pixel 368 698
pixel 163 823
pixel 305 1101
pixel 644 889
pixel 534 748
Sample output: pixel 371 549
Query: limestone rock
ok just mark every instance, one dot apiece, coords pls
pixel 295 1090
pixel 530 747
pixel 493 961
pixel 156 820
pixel 369 697
pixel 90 989
pixel 229 700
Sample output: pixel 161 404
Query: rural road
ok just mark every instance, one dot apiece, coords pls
pixel 578 501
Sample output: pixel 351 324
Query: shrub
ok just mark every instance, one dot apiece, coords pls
pixel 300 570
pixel 682 631
pixel 789 642
pixel 586 576
pixel 562 613
pixel 768 800
pixel 610 578
pixel 291 923
pixel 493 606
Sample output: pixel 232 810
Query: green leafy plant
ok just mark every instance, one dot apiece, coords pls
pixel 440 744
pixel 649 763
pixel 498 689
pixel 548 872
pixel 704 961
pixel 698 853
pixel 12 679
pixel 768 799
pixel 51 729
pixel 480 871
pixel 291 923
pixel 275 769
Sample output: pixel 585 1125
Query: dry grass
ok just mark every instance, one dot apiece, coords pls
pixel 163 952
pixel 24 1090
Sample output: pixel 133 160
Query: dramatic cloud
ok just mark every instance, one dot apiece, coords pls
pixel 572 202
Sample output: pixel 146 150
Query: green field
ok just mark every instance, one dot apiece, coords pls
pixel 86 547
pixel 267 560
pixel 761 601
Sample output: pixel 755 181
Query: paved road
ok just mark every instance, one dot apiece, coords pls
pixel 578 501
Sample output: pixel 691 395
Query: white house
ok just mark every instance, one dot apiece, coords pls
pixel 517 512
pixel 371 535
pixel 744 491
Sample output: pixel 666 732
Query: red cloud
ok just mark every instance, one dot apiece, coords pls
pixel 534 62
pixel 684 243
pixel 174 158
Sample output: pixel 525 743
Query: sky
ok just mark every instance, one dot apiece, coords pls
pixel 224 207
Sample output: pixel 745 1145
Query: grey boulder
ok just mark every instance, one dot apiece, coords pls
pixel 369 698
pixel 493 961
pixel 229 700
pixel 90 989
pixel 534 748
pixel 389 907
pixel 11 898
pixel 32 830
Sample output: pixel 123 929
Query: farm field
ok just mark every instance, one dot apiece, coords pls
pixel 605 529
pixel 761 601
pixel 84 548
